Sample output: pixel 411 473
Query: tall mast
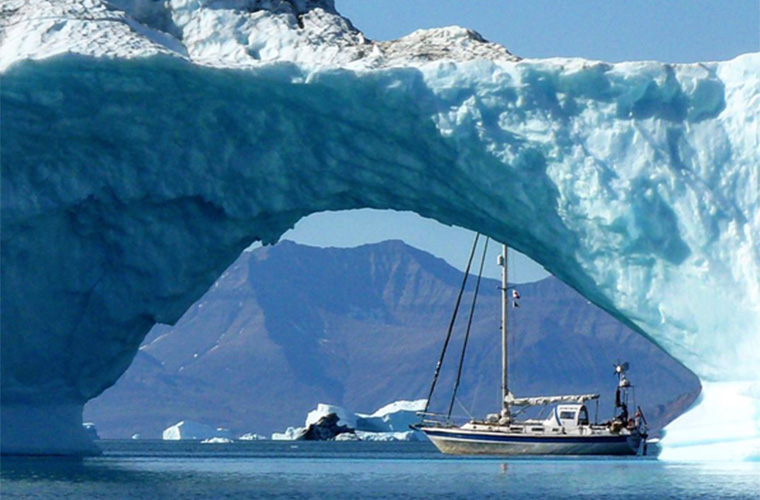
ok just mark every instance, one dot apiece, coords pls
pixel 504 345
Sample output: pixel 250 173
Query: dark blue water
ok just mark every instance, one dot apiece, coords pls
pixel 350 470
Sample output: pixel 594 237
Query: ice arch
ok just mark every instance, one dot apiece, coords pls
pixel 134 173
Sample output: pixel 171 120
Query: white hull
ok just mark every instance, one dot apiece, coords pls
pixel 458 441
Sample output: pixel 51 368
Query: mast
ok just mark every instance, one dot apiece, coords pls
pixel 504 346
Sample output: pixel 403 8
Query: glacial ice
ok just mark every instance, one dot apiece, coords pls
pixel 187 429
pixel 218 440
pixel 251 436
pixel 389 436
pixel 290 434
pixel 145 144
pixel 395 417
pixel 345 417
pixel 389 423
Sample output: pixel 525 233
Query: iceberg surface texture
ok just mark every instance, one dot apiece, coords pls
pixel 146 144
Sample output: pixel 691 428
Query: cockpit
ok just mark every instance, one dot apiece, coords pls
pixel 569 415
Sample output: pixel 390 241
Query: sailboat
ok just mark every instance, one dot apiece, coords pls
pixel 567 430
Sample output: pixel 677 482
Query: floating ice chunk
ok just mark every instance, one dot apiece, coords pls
pixel 187 429
pixel 252 437
pixel 391 436
pixel 394 417
pixel 389 423
pixel 290 434
pixel 217 440
pixel 345 417
pixel 347 436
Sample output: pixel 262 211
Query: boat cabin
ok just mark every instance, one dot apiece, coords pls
pixel 569 416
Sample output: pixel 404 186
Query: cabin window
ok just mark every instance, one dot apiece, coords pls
pixel 567 415
pixel 537 429
pixel 583 416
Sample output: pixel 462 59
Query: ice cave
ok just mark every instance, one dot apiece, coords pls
pixel 146 144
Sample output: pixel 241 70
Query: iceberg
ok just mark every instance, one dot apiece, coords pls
pixel 251 436
pixel 187 429
pixel 395 417
pixel 389 423
pixel 146 144
pixel 290 434
pixel 383 437
pixel 218 440
pixel 345 417
pixel 390 436
pixel 325 422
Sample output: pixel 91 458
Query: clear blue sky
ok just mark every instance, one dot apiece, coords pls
pixel 610 30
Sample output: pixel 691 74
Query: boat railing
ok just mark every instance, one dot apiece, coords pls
pixel 431 419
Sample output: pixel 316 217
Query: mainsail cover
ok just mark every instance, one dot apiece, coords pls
pixel 547 400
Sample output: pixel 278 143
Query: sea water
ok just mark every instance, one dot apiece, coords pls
pixel 357 470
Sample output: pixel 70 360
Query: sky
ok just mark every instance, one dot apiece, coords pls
pixel 676 31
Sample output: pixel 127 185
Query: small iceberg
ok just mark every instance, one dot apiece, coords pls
pixel 290 434
pixel 330 422
pixel 394 418
pixel 409 435
pixel 252 437
pixel 345 417
pixel 217 440
pixel 189 430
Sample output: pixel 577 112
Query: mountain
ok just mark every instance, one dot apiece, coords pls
pixel 289 326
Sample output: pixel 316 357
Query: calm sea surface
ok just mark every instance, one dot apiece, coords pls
pixel 349 470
